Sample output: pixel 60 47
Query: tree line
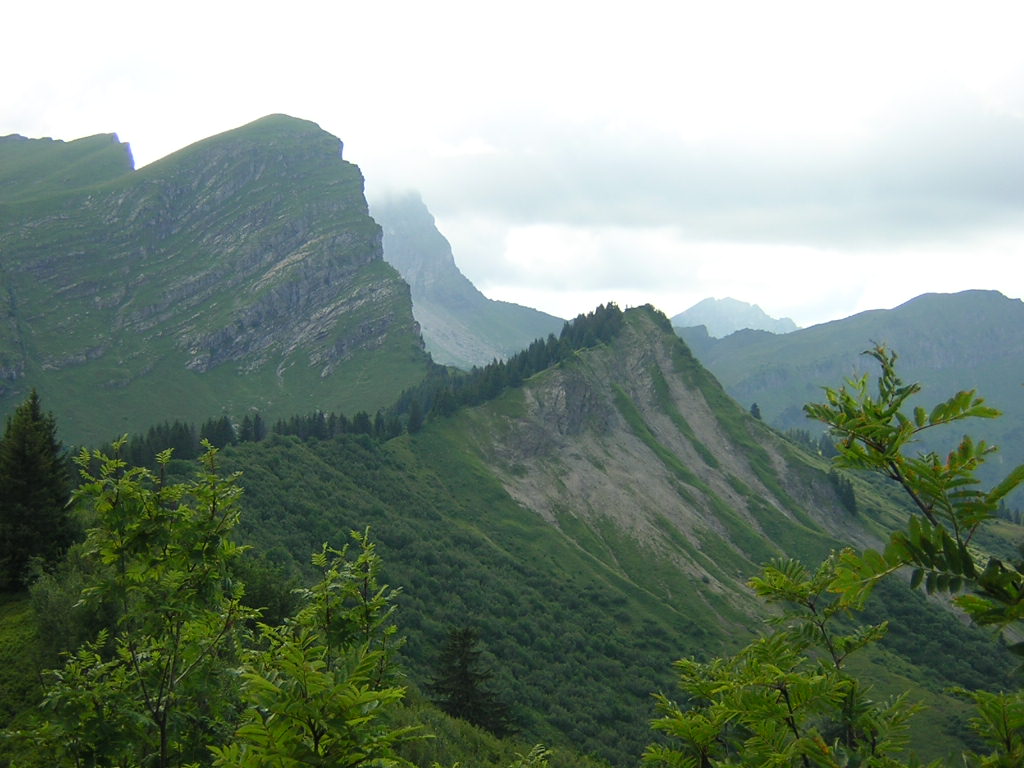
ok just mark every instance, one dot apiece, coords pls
pixel 442 392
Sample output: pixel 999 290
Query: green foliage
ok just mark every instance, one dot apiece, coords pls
pixel 460 684
pixel 159 686
pixel 1000 722
pixel 575 645
pixel 537 757
pixel 19 689
pixel 318 689
pixel 152 691
pixel 34 490
pixel 786 699
pixel 875 434
pixel 218 432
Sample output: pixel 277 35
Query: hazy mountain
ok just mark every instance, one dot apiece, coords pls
pixel 460 325
pixel 241 272
pixel 948 342
pixel 724 316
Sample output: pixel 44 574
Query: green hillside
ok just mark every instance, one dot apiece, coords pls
pixel 594 524
pixel 241 273
pixel 42 168
pixel 948 342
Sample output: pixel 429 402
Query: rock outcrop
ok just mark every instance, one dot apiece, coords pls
pixel 461 326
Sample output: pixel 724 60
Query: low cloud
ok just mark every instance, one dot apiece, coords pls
pixel 945 173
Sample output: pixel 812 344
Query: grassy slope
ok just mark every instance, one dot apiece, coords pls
pixel 948 342
pixel 37 168
pixel 18 679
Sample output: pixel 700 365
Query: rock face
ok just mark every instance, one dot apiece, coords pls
pixel 461 326
pixel 248 259
pixel 724 316
pixel 635 454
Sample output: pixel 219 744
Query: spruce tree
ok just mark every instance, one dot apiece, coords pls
pixel 34 490
pixel 459 687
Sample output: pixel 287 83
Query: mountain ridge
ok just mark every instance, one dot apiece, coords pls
pixel 460 325
pixel 947 342
pixel 248 259
pixel 595 522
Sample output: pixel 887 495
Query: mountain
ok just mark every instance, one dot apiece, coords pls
pixel 948 342
pixel 460 325
pixel 724 316
pixel 594 524
pixel 242 272
pixel 594 519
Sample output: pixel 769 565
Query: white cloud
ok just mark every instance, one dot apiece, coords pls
pixel 575 152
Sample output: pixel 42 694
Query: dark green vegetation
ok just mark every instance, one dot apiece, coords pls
pixel 460 325
pixel 461 684
pixel 242 274
pixel 35 485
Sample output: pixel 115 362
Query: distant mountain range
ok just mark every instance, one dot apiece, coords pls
pixel 460 325
pixel 724 316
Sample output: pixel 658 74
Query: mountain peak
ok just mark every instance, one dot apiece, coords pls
pixel 461 326
pixel 248 259
pixel 724 316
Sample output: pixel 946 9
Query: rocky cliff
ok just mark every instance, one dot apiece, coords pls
pixel 241 272
pixel 461 326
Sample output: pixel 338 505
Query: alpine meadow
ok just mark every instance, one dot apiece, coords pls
pixel 280 487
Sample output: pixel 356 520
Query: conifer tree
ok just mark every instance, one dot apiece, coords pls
pixel 34 490
pixel 460 689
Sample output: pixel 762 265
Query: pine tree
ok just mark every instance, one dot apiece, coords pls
pixel 459 686
pixel 34 490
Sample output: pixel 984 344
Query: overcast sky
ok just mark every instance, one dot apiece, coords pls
pixel 815 158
